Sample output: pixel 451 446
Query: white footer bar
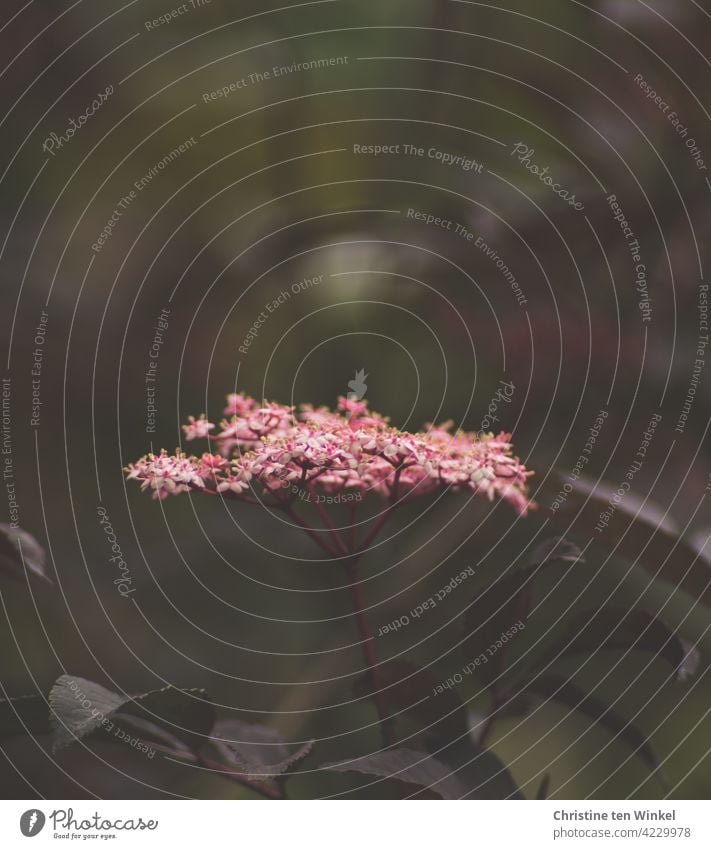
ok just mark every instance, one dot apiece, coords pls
pixel 355 824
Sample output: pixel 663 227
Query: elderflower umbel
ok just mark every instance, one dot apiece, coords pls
pixel 325 451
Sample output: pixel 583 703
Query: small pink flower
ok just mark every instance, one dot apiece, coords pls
pixel 166 474
pixel 239 405
pixel 197 428
pixel 322 450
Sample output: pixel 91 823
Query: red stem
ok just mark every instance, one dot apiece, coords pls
pixel 326 519
pixel 374 531
pixel 367 641
pixel 369 655
pixel 352 564
pixel 316 537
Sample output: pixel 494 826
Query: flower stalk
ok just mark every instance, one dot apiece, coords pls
pixel 270 455
pixel 369 655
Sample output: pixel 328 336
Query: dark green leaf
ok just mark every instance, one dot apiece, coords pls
pixel 570 695
pixel 495 619
pixel 639 533
pixel 418 768
pixel 479 770
pixel 610 628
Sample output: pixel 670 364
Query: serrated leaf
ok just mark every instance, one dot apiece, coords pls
pixel 256 771
pixel 186 714
pixel 287 765
pixel 81 707
pixel 418 768
pixel 257 752
pixel 610 628
pixel 20 552
pixel 259 744
pixel 24 715
pixel 570 695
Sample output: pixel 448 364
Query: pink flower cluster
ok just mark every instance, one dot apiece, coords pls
pixel 322 451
